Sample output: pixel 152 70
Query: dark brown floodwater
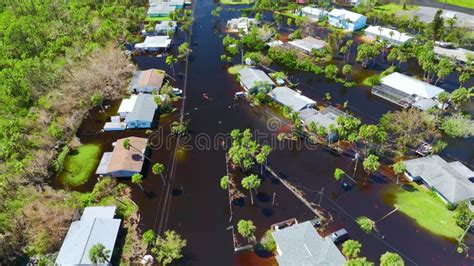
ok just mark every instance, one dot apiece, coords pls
pixel 193 203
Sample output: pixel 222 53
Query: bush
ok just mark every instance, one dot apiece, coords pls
pixel 267 241
pixel 463 215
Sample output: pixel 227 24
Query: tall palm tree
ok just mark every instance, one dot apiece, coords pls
pixel 399 168
pixel 99 254
pixel 170 61
pixel 158 169
pixel 127 145
pixel 138 179
pixel 251 182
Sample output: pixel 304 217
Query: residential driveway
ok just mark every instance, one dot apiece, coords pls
pixel 426 14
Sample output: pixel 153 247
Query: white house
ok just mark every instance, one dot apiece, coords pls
pixel 241 24
pixel 154 44
pixel 313 13
pixel 382 33
pixel 252 78
pixel 407 91
pixel 308 44
pixel 142 113
pixel 288 97
pixel 459 55
pixel 347 20
pixel 126 106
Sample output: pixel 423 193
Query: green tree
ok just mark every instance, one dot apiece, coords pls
pixel 358 262
pixel 437 25
pixel 366 224
pixel 169 248
pixel 371 163
pixel 444 97
pixel 158 169
pixel 465 76
pixel 268 242
pixel 251 182
pixel 331 71
pixel 458 126
pixel 461 95
pixel 179 128
pixel 246 228
pixel 99 254
pixel 339 174
pixel 346 70
pixel 184 50
pixel 391 259
pixel 138 179
pixel 127 145
pixel 216 12
pixel 170 61
pixel 225 182
pixel 445 67
pixel 351 248
pixel 399 169
pixel 148 237
pixel 97 99
pixel 463 215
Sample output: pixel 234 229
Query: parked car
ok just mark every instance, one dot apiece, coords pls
pixel 240 94
pixel 177 92
pixel 316 222
pixel 339 236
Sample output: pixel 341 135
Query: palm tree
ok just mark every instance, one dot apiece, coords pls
pixel 399 168
pixel 444 98
pixel 346 70
pixel 351 248
pixel 339 174
pixel 97 99
pixel 127 145
pixel 251 182
pixel 391 259
pixel 246 228
pixel 371 164
pixel 158 169
pixel 138 179
pixel 170 61
pixel 99 254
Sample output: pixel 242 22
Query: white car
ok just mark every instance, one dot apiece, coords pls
pixel 177 92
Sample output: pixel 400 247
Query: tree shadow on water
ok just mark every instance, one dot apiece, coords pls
pixel 261 252
pixel 268 212
pixel 263 197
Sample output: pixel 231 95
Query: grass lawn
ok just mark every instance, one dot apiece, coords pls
pixel 158 19
pixel 394 8
pixel 80 163
pixel 290 14
pixel 237 2
pixel 234 70
pixel 427 209
pixel 463 3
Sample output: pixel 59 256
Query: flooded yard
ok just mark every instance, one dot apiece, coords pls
pixel 192 202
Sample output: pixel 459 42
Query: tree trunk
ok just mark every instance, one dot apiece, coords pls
pixel 251 196
pixel 163 179
pixel 141 187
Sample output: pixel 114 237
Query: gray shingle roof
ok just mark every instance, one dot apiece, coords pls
pixel 301 245
pixel 290 98
pixel 97 225
pixel 451 180
pixel 144 109
pixel 327 117
pixel 251 76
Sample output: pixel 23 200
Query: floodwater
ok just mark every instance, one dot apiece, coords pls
pixel 192 201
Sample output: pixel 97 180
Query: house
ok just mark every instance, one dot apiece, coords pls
pixel 389 35
pixel 154 44
pixel 241 24
pixel 459 55
pixel 147 81
pixel 307 44
pixel 115 124
pixel 301 244
pixel 97 225
pixel 122 162
pixel 177 4
pixel 163 27
pixel 252 78
pixel 160 10
pixel 288 97
pixel 453 181
pixel 406 91
pixel 326 118
pixel 313 13
pixel 143 112
pixel 347 20
pixel 126 106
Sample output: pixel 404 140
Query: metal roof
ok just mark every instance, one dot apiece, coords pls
pixel 154 42
pixel 301 245
pixel 458 54
pixel 384 33
pixel 97 225
pixel 165 26
pixel 345 14
pixel 313 11
pixel 411 86
pixel 143 110
pixel 250 77
pixel 309 43
pixel 127 105
pixel 451 180
pixel 291 98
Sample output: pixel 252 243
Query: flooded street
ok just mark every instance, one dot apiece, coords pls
pixel 192 202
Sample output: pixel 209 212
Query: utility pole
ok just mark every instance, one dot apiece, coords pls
pixel 273 201
pixel 467 229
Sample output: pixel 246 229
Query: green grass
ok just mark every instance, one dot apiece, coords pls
pixel 158 19
pixel 238 2
pixel 234 70
pixel 80 163
pixel 463 3
pixel 426 209
pixel 290 14
pixel 394 8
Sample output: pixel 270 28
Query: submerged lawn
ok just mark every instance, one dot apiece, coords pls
pixel 80 163
pixel 427 209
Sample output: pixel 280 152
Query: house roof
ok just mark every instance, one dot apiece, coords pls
pixel 327 117
pixel 242 22
pixel 151 77
pixel 385 33
pixel 127 105
pixel 160 8
pixel 425 104
pixel 451 180
pixel 313 11
pixel 250 76
pixel 411 85
pixel 345 14
pixel 143 110
pixel 290 98
pixel 154 42
pixel 301 244
pixel 458 54
pixel 165 26
pixel 122 159
pixel 308 44
pixel 97 225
